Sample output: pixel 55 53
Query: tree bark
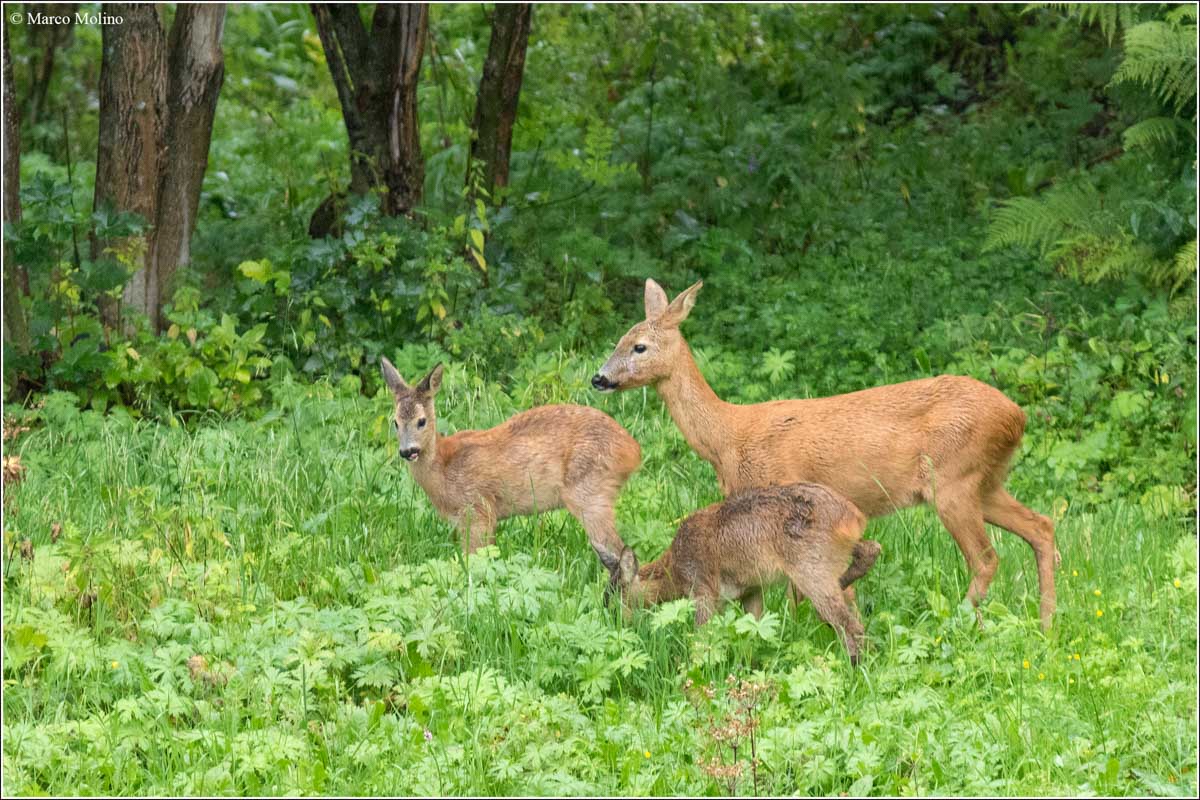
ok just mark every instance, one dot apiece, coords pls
pixel 158 99
pixel 376 72
pixel 16 280
pixel 196 70
pixel 499 91
pixel 130 157
pixel 48 39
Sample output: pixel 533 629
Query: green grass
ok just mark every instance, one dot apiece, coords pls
pixel 338 624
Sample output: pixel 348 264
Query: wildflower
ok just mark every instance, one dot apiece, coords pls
pixel 646 753
pixel 1096 592
pixel 1099 613
pixel 1070 681
pixel 1041 676
pixel 197 666
pixel 1074 573
pixel 428 735
pixel 1178 583
pixel 116 665
pixel 1025 663
pixel 13 428
pixel 1076 656
pixel 14 470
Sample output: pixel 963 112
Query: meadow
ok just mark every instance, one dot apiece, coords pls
pixel 271 606
pixel 219 577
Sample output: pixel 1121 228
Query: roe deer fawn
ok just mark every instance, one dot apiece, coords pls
pixel 945 440
pixel 801 532
pixel 557 456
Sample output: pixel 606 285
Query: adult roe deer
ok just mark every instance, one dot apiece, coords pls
pixel 802 532
pixel 556 456
pixel 945 441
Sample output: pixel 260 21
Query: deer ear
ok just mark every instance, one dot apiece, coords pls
pixel 627 568
pixel 432 382
pixel 681 306
pixel 656 299
pixel 392 378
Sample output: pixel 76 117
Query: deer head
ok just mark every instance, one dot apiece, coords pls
pixel 650 350
pixel 414 410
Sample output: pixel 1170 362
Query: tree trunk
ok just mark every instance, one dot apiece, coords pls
pixel 130 157
pixel 499 90
pixel 376 73
pixel 196 71
pixel 48 39
pixel 16 280
pixel 156 117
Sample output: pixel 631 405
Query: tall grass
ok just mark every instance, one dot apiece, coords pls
pixel 273 606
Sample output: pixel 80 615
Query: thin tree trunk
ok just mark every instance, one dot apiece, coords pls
pixel 499 91
pixel 48 39
pixel 196 71
pixel 130 154
pixel 16 280
pixel 376 73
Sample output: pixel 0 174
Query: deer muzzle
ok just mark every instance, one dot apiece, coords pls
pixel 601 383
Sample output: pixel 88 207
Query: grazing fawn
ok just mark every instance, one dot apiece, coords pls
pixel 946 441
pixel 802 532
pixel 557 456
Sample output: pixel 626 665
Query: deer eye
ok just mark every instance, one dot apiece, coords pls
pixel 639 348
pixel 421 422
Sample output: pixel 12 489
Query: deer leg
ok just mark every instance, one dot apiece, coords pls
pixel 706 605
pixel 752 602
pixel 960 511
pixel 831 606
pixel 595 513
pixel 1002 509
pixel 476 529
pixel 865 553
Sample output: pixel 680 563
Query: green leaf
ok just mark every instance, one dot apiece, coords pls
pixel 259 271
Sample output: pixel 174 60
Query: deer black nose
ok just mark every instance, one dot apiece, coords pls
pixel 600 382
pixel 410 454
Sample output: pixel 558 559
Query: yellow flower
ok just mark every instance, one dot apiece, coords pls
pixel 1096 592
pixel 1075 573
pixel 1178 583
pixel 1041 676
pixel 116 664
pixel 1099 613
pixel 1076 656
pixel 1025 663
pixel 1070 681
pixel 646 753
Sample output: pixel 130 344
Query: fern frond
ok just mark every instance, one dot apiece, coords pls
pixel 1092 258
pixel 1162 57
pixel 1151 132
pixel 1183 267
pixel 1042 223
pixel 1184 12
pixel 1111 17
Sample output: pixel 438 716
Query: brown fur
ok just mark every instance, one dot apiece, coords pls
pixel 945 440
pixel 557 456
pixel 803 533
